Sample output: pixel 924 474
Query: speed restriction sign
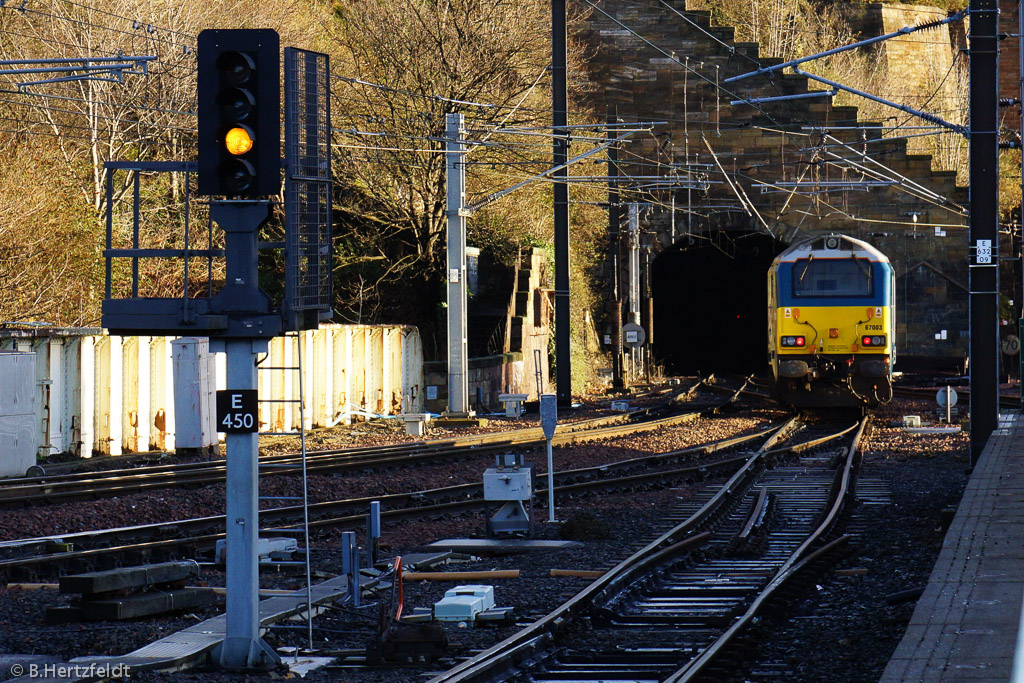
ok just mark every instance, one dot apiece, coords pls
pixel 1010 345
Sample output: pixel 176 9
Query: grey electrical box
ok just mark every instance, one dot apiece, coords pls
pixel 507 484
pixel 511 483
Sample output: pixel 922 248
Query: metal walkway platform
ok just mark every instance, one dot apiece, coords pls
pixel 966 624
pixel 184 648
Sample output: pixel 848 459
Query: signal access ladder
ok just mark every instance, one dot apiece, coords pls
pixel 301 433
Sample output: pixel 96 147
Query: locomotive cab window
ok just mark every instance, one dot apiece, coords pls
pixel 832 277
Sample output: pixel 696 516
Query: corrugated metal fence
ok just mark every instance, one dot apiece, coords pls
pixel 106 394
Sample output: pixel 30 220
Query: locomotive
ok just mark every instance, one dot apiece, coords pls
pixel 831 324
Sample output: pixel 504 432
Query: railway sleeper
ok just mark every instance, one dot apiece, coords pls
pixel 728 665
pixel 578 660
pixel 703 591
pixel 605 618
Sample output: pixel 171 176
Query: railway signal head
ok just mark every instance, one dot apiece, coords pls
pixel 239 112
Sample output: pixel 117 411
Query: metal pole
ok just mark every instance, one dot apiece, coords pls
pixel 853 46
pixel 614 218
pixel 984 206
pixel 458 390
pixel 551 484
pixel 243 648
pixel 373 533
pixel 350 564
pixel 559 97
pixel 634 263
pixel 634 285
pixel 549 424
pixel 648 312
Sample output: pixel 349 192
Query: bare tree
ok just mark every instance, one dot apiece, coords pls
pixel 408 64
pixel 143 117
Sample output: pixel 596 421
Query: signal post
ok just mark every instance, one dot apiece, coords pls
pixel 239 159
pixel 239 167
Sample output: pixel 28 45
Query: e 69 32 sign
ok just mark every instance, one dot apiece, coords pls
pixel 237 411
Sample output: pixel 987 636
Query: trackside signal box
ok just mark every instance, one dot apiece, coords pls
pixel 239 105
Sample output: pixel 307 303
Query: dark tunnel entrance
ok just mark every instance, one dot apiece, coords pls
pixel 710 304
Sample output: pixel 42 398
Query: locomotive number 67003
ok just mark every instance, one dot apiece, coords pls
pixel 831 323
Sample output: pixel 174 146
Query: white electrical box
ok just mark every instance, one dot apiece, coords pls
pixel 463 603
pixel 507 484
pixel 195 389
pixel 18 424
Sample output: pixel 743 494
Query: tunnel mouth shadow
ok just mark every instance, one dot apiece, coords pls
pixel 710 303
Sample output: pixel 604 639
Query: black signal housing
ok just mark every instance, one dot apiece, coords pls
pixel 239 90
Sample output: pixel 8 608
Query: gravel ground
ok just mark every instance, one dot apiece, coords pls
pixel 846 618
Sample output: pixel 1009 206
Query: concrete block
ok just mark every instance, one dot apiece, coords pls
pixel 415 423
pixel 127 577
pixel 146 604
pixel 513 403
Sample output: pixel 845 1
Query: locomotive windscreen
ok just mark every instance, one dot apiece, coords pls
pixel 832 278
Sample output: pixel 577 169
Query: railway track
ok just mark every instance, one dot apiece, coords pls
pixel 120 482
pixel 676 610
pixel 34 558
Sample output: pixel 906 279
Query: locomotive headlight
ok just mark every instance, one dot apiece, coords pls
pixel 793 341
pixel 874 340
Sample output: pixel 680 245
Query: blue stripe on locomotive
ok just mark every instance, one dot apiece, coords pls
pixel 882 295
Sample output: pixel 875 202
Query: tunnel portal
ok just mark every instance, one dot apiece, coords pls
pixel 710 304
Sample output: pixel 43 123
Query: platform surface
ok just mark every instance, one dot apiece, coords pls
pixel 966 622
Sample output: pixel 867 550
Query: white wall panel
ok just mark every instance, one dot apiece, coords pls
pixel 97 394
pixel 161 391
pixel 88 395
pixel 54 409
pixel 102 397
